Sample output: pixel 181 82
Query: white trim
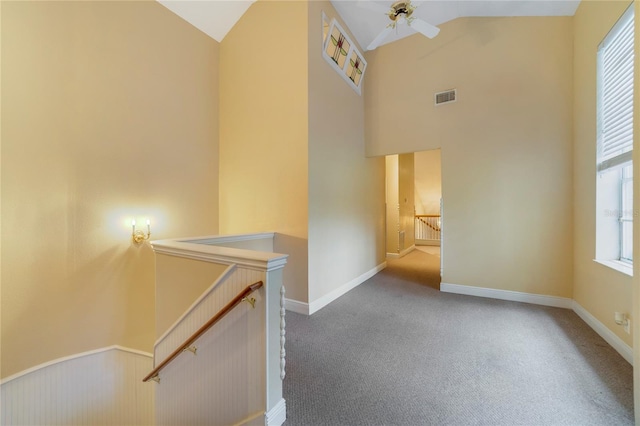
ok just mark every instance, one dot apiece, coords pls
pixel 353 48
pixel 223 239
pixel 609 336
pixel 403 253
pixel 616 265
pixel 198 249
pixel 296 306
pixel 277 415
pixel 206 293
pixel 427 242
pixel 515 296
pixel 559 302
pixel 72 357
pixel 323 301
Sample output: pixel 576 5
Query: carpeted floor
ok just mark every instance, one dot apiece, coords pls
pixel 396 351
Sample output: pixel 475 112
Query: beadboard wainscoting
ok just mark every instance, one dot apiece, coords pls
pixel 225 379
pixel 100 387
pixel 232 372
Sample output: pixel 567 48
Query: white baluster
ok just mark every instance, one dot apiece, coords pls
pixel 282 333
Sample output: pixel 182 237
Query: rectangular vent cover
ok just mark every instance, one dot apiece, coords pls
pixel 445 97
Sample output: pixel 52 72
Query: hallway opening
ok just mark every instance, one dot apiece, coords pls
pixel 413 193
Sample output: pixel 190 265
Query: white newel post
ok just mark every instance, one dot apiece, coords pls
pixel 276 408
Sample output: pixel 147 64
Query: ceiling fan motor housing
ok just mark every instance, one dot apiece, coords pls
pixel 400 9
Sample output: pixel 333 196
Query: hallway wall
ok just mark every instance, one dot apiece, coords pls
pixel 599 289
pixel 109 114
pixel 506 143
pixel 264 132
pixel 346 189
pixel 428 181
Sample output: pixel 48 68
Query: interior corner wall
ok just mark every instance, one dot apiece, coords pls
pixel 600 290
pixel 428 181
pixel 406 198
pixel 506 143
pixel 264 132
pixel 109 113
pixel 346 189
pixel 392 185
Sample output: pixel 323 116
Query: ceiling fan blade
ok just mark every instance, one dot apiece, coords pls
pixel 424 28
pixel 380 38
pixel 368 4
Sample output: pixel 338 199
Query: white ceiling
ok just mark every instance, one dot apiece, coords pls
pixel 215 18
pixel 366 18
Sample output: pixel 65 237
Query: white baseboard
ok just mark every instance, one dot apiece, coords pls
pixel 427 242
pixel 559 302
pixel 609 336
pixel 402 253
pixel 320 303
pixel 277 415
pixel 515 296
pixel 296 306
pixel 309 308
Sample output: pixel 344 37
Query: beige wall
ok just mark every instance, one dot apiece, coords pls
pixel 406 198
pixel 506 143
pixel 174 293
pixel 392 208
pixel 599 289
pixel 400 189
pixel 264 132
pixel 428 182
pixel 109 112
pixel 346 190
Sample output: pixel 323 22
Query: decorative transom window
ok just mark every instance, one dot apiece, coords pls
pixel 614 187
pixel 341 53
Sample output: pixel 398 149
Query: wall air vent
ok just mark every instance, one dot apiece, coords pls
pixel 445 97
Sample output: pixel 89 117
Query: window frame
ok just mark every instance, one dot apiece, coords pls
pixel 614 146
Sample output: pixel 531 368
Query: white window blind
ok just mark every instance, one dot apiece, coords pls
pixel 615 94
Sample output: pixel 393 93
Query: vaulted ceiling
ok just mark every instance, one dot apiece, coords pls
pixel 366 18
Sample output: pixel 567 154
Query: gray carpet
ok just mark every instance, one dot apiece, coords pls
pixel 396 351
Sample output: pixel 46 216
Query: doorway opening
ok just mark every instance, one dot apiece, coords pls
pixel 414 223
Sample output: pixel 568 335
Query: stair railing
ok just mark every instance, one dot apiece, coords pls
pixel 427 227
pixel 186 346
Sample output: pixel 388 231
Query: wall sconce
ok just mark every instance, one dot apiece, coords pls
pixel 139 236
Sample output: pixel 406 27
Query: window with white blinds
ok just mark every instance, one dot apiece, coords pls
pixel 615 94
pixel 614 183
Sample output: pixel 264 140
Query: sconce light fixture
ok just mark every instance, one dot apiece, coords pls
pixel 139 236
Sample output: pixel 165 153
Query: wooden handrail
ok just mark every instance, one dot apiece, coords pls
pixel 420 216
pixel 214 319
